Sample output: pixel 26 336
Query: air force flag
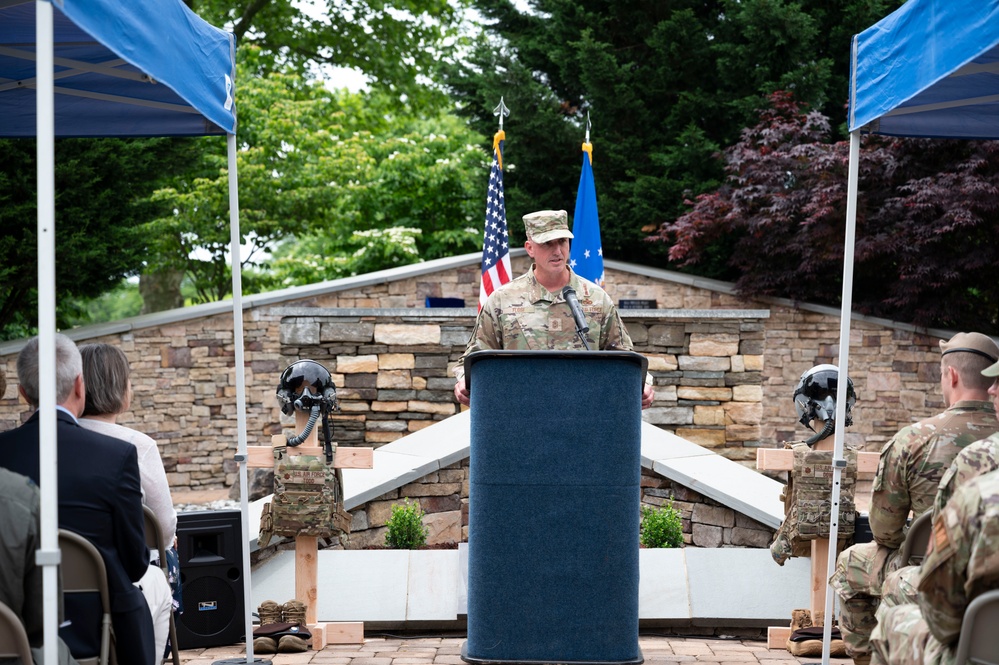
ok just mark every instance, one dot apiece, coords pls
pixel 587 255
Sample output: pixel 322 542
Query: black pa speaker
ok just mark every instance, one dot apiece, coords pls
pixel 211 572
pixel 862 529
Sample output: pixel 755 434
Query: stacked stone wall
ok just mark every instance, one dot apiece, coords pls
pixel 721 382
pixel 895 368
pixel 394 369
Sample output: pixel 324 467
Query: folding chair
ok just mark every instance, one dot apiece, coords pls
pixel 83 572
pixel 916 540
pixel 979 640
pixel 154 540
pixel 13 639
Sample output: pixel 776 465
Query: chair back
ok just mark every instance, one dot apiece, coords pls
pixel 83 572
pixel 154 534
pixel 916 540
pixel 979 640
pixel 13 638
pixel 154 541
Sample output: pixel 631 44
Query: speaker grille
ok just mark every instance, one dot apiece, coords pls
pixel 209 606
pixel 211 575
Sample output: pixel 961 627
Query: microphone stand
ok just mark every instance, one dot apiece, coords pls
pixel 569 294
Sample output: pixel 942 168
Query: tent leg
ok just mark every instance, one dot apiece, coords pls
pixel 846 309
pixel 238 351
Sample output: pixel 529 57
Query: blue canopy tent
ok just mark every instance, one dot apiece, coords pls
pixel 87 68
pixel 929 69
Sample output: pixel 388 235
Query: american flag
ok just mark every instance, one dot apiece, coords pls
pixel 496 268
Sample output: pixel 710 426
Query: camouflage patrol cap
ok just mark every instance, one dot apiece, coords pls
pixel 546 225
pixel 991 370
pixel 971 342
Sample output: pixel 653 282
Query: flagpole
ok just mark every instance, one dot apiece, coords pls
pixel 496 267
pixel 586 254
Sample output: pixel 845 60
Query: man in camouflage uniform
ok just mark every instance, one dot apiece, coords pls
pixel 960 565
pixel 530 312
pixel 974 460
pixel 909 473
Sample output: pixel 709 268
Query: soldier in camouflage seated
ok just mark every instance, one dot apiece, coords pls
pixel 912 464
pixel 960 565
pixel 976 459
pixel 807 494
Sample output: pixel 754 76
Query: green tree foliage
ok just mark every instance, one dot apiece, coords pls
pixel 667 85
pixel 102 189
pixel 395 44
pixel 927 221
pixel 120 302
pixel 314 167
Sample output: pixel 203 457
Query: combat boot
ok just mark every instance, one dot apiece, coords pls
pixel 269 612
pixel 294 612
pixel 291 644
pixel 265 645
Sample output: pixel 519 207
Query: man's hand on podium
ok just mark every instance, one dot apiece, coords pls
pixel 461 392
pixel 648 395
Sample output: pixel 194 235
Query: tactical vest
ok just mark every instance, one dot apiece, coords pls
pixel 307 501
pixel 807 501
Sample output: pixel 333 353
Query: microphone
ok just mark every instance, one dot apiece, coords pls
pixel 569 294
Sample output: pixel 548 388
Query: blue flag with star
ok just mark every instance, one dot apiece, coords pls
pixel 587 254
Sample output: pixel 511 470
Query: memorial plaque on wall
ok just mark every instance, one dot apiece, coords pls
pixel 636 304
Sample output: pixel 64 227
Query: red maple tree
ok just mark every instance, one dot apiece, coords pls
pixel 927 221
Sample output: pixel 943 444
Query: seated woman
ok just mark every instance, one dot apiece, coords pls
pixel 109 394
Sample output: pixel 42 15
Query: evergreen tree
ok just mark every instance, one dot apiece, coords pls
pixel 667 84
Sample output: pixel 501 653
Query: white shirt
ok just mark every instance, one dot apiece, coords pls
pixel 152 475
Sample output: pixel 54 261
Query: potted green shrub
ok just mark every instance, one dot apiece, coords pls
pixel 661 527
pixel 406 530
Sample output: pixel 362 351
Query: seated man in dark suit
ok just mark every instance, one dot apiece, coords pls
pixel 99 495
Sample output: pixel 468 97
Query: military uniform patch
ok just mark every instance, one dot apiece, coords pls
pixel 940 542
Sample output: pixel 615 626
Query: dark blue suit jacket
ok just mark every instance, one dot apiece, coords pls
pixel 100 498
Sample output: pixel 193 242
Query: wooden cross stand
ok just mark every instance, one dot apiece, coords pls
pixel 783 460
pixel 307 547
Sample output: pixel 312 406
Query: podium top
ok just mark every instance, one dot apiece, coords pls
pixel 630 356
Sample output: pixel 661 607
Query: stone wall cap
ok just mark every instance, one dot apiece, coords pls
pixel 324 313
pixel 699 314
pixel 341 313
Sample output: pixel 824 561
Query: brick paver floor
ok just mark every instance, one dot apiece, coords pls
pixel 447 650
